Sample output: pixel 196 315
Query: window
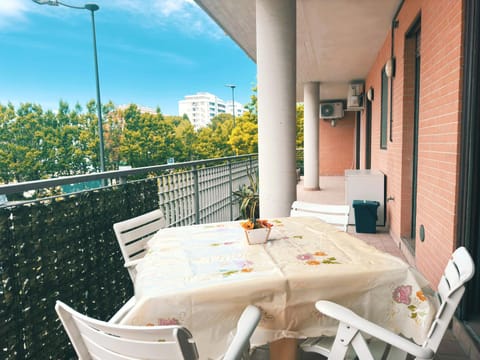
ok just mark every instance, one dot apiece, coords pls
pixel 384 114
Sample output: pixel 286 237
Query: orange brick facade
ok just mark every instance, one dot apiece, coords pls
pixel 337 145
pixel 441 32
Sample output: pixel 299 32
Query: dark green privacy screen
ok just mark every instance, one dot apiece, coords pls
pixel 63 248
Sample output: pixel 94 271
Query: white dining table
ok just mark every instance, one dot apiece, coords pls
pixel 203 276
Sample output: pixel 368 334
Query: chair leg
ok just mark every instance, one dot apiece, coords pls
pixel 346 336
pixel 361 348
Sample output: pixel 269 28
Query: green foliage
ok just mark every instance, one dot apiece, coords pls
pixel 36 144
pixel 244 138
pixel 252 106
pixel 213 140
pixel 185 137
pixel 146 139
pixel 300 117
pixel 249 199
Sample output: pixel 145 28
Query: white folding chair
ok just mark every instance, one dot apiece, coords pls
pixel 352 327
pixel 133 234
pixel 336 215
pixel 95 339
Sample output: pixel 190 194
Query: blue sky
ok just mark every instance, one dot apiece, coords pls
pixel 151 53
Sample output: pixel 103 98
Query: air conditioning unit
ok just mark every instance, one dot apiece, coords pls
pixel 331 110
pixel 355 96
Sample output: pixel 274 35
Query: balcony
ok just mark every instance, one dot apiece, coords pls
pixel 63 246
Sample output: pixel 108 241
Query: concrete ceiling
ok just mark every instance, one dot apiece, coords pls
pixel 337 40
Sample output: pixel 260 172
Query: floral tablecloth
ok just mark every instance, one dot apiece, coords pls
pixel 203 276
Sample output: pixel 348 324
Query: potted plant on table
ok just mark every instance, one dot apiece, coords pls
pixel 256 230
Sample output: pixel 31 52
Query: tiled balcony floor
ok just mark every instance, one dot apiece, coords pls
pixel 332 191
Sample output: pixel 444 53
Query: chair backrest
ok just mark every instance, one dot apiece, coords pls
pixel 133 234
pixel 95 339
pixel 459 270
pixel 336 215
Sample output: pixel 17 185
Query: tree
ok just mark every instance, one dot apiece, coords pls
pixel 147 139
pixel 25 146
pixel 72 155
pixel 113 134
pixel 212 140
pixel 36 144
pixel 244 138
pixel 252 106
pixel 7 116
pixel 300 117
pixel 92 137
pixel 185 137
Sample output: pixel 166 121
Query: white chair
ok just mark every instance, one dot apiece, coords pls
pixel 336 215
pixel 133 234
pixel 95 339
pixel 352 327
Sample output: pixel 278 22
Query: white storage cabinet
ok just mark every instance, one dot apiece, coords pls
pixel 365 185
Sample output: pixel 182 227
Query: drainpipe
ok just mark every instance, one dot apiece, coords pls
pixel 392 56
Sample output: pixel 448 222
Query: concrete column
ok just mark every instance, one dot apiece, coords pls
pixel 310 135
pixel 276 68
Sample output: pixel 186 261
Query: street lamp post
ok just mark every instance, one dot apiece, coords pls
pixel 233 101
pixel 92 8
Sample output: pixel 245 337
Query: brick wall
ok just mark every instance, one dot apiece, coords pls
pixel 337 145
pixel 438 136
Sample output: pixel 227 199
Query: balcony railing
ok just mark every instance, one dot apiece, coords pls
pixel 63 246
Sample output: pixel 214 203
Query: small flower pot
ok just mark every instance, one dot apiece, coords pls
pixel 258 236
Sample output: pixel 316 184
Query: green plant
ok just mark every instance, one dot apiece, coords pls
pixel 247 194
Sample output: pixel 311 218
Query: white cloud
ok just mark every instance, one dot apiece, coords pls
pixel 15 13
pixel 11 11
pixel 185 15
pixel 12 7
pixel 168 7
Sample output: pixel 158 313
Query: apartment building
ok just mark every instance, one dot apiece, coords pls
pixel 142 109
pixel 203 106
pixel 238 108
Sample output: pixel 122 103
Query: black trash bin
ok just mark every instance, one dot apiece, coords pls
pixel 365 216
